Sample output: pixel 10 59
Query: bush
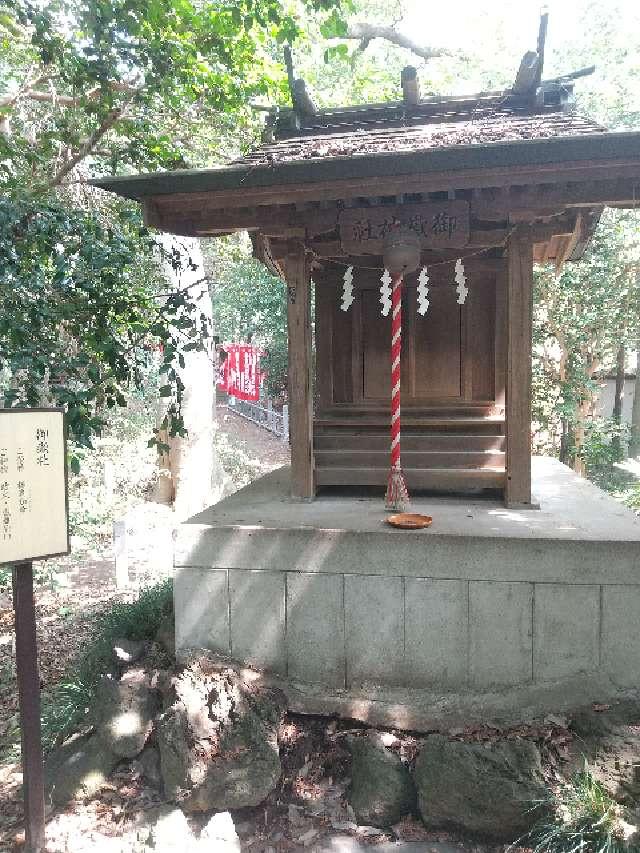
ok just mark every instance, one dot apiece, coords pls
pixel 586 820
pixel 65 706
pixel 605 440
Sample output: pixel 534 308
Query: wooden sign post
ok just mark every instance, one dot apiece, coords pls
pixel 33 525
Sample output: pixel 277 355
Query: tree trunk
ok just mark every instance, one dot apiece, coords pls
pixel 634 441
pixel 582 413
pixel 619 397
pixel 565 441
pixel 191 475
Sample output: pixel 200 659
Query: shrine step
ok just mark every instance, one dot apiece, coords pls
pixel 489 425
pixel 421 459
pixel 442 479
pixel 411 441
pixel 470 410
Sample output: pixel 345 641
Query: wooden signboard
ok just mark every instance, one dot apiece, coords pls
pixel 33 490
pixel 33 525
pixel 441 225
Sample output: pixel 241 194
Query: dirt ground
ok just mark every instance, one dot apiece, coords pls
pixel 261 444
pixel 70 599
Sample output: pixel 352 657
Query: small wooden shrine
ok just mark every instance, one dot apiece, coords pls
pixel 491 184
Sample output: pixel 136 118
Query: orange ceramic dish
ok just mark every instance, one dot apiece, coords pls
pixel 409 521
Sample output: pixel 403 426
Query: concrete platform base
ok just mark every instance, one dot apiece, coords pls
pixel 346 844
pixel 487 599
pixel 422 710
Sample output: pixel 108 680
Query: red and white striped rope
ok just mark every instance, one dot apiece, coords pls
pixel 396 347
pixel 397 497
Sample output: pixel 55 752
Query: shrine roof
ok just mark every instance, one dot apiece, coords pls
pixel 506 144
pixel 436 136
pixel 448 130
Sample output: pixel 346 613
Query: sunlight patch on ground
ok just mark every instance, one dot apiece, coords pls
pixel 631 466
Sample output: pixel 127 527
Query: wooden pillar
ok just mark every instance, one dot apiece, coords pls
pixel 518 390
pixel 298 280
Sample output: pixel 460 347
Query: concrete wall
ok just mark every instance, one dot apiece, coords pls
pixel 344 630
pixel 606 397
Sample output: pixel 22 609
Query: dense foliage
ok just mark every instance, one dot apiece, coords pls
pixel 131 82
pixel 88 87
pixel 81 312
pixel 583 316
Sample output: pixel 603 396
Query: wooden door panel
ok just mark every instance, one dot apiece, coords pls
pixel 376 341
pixel 447 355
pixel 342 356
pixel 437 341
pixel 481 317
pixel 376 347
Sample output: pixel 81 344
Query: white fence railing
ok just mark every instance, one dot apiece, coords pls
pixel 264 416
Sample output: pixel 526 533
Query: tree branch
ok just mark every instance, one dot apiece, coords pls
pixel 366 32
pixel 23 89
pixel 35 94
pixel 87 147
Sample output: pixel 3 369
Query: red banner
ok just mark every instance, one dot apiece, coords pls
pixel 239 373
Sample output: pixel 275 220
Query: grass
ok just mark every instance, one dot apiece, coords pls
pixel 586 819
pixel 64 707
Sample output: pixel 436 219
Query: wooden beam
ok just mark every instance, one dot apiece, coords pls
pixel 570 244
pixel 298 279
pixel 420 181
pixel 535 200
pixel 201 212
pixel 276 220
pixel 263 251
pixel 518 396
pixel 527 76
pixel 500 338
pixel 324 299
pixel 542 38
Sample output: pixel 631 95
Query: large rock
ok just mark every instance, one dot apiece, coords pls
pixel 218 739
pixel 79 768
pixel 123 712
pixel 382 790
pixel 490 790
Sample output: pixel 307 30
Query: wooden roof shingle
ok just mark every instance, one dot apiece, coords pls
pixel 501 125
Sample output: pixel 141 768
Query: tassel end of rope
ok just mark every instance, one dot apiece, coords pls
pixel 397 497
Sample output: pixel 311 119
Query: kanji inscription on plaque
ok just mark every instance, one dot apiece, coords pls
pixel 441 225
pixel 33 490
